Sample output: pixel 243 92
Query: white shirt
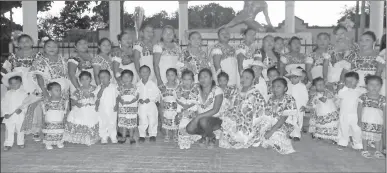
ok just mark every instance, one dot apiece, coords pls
pixel 13 99
pixel 262 88
pixel 148 91
pixel 299 93
pixel 349 99
pixel 109 96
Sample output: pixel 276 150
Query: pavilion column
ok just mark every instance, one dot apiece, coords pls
pixel 114 20
pixel 183 21
pixel 376 18
pixel 30 15
pixel 289 17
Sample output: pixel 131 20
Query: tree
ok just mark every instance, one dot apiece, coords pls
pixel 351 13
pixel 211 15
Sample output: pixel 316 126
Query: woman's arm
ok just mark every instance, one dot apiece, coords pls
pixel 379 69
pixel 359 113
pixel 240 58
pixel 42 86
pixel 282 68
pixel 96 69
pixel 217 59
pixel 137 57
pixel 217 104
pixel 72 68
pixel 116 70
pixel 325 69
pixel 308 69
pixel 276 126
pixel 156 62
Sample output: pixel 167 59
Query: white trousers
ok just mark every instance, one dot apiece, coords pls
pixel 348 127
pixel 148 118
pixel 10 129
pixel 298 128
pixel 107 124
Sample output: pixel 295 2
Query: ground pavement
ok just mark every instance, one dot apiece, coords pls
pixel 311 156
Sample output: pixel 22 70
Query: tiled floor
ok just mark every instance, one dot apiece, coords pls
pixel 311 156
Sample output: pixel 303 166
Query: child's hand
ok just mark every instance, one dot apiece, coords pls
pixel 147 101
pixel 359 123
pixel 323 99
pixel 303 109
pixel 6 116
pixel 268 134
pixel 18 111
pixel 141 101
pixel 126 61
pixel 79 105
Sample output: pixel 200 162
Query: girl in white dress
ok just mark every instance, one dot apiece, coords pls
pixel 80 60
pixel 371 113
pixel 187 98
pixel 103 60
pixel 294 58
pixel 224 57
pixel 165 54
pixel 246 50
pixel 123 56
pixel 82 121
pixel 128 107
pixel 54 110
pixel 169 105
pixel 143 50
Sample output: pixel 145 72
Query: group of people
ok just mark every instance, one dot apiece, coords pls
pixel 244 96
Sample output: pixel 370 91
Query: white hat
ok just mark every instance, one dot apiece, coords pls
pixel 294 72
pixel 7 76
pixel 258 63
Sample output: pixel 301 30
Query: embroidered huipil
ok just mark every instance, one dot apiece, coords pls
pixel 193 62
pixel 248 52
pixel 168 59
pixel 54 114
pixel 372 119
pixel 146 54
pixel 168 95
pixel 127 113
pixel 228 62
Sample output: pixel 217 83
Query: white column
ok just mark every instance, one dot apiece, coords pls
pixel 183 21
pixel 376 18
pixel 30 16
pixel 289 17
pixel 114 21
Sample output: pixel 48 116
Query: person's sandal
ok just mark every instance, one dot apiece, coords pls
pixel 366 154
pixel 211 143
pixel 132 141
pixel 121 140
pixel 378 155
pixel 166 139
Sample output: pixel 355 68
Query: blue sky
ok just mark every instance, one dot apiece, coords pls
pixel 321 13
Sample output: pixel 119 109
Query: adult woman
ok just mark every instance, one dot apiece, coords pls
pixel 123 56
pixel 238 122
pixel 381 59
pixel 279 45
pixel 277 123
pixel 224 57
pixel 314 62
pixel 165 54
pixel 364 62
pixel 210 100
pixel 103 61
pixel 78 62
pixel 294 58
pixel 143 54
pixel 246 50
pixel 194 58
pixel 267 55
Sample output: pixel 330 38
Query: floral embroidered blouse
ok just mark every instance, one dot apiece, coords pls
pixel 85 98
pixel 143 48
pixel 225 52
pixel 379 103
pixel 102 62
pixel 50 69
pixel 208 104
pixel 194 62
pixel 285 107
pixel 82 64
pixel 16 61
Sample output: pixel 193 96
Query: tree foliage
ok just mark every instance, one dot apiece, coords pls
pixel 350 12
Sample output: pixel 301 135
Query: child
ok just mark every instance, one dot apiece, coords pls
pixel 327 116
pixel 228 91
pixel 259 81
pixel 128 106
pixel 54 111
pixel 187 94
pixel 371 114
pixel 168 93
pixel 149 94
pixel 300 93
pixel 82 121
pixel 12 110
pixel 272 73
pixel 348 102
pixel 106 106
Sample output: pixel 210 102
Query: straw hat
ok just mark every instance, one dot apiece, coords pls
pixel 294 72
pixel 7 76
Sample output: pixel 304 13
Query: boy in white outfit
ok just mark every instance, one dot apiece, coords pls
pixel 298 90
pixel 11 107
pixel 106 106
pixel 348 101
pixel 147 109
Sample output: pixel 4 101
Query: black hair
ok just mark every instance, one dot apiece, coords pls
pixel 352 74
pixel 172 70
pixel 79 39
pixel 187 72
pixel 249 70
pixel 209 72
pixel 145 25
pixel 338 27
pixel 278 38
pixel 52 85
pixel 318 79
pixel 119 36
pixel 104 71
pixel 371 34
pixel 47 41
pixel 282 80
pixel 369 78
pixel 301 69
pixel 272 69
pixel 293 39
pixel 145 66
pixel 173 30
pixel 127 72
pixel 223 28
pixel 223 74
pixel 244 32
pixel 192 33
pixel 383 42
pixel 100 43
pixel 85 73
pixel 263 53
pixel 19 78
pixel 24 36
